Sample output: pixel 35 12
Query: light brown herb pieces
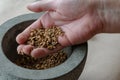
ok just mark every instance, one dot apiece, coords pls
pixel 49 61
pixel 47 38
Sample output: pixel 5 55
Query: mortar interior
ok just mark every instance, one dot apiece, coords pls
pixel 9 44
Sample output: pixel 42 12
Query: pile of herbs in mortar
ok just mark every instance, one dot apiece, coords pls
pixel 43 38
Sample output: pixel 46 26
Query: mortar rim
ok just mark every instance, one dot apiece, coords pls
pixel 15 70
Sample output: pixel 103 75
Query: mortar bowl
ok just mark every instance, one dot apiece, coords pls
pixel 8 52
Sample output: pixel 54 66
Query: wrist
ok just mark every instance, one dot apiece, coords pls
pixel 109 13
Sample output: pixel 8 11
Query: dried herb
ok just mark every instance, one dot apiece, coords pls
pixel 42 63
pixel 47 38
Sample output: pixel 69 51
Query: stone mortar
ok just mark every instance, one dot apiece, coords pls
pixel 8 32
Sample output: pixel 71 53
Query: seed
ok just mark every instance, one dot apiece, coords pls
pixel 43 38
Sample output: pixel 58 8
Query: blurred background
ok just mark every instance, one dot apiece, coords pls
pixel 12 8
pixel 103 60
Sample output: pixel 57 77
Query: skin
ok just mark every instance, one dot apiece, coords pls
pixel 79 19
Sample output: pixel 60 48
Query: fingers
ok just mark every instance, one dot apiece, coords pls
pixel 43 5
pixel 66 39
pixel 41 52
pixel 45 20
pixel 74 34
pixel 24 49
pixel 37 52
pixel 78 31
pixel 22 37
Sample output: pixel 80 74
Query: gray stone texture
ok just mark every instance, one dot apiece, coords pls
pixel 69 70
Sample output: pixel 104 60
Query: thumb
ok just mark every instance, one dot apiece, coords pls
pixel 43 5
pixel 79 31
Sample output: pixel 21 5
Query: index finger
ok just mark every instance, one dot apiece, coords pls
pixel 22 37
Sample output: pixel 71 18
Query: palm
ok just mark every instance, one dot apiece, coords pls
pixel 78 26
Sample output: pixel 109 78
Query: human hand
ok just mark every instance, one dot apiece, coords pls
pixel 78 19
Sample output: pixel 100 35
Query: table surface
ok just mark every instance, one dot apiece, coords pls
pixel 103 49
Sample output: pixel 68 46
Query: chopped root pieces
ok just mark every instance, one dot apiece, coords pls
pixel 41 63
pixel 43 38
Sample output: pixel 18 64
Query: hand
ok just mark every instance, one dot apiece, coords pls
pixel 79 20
